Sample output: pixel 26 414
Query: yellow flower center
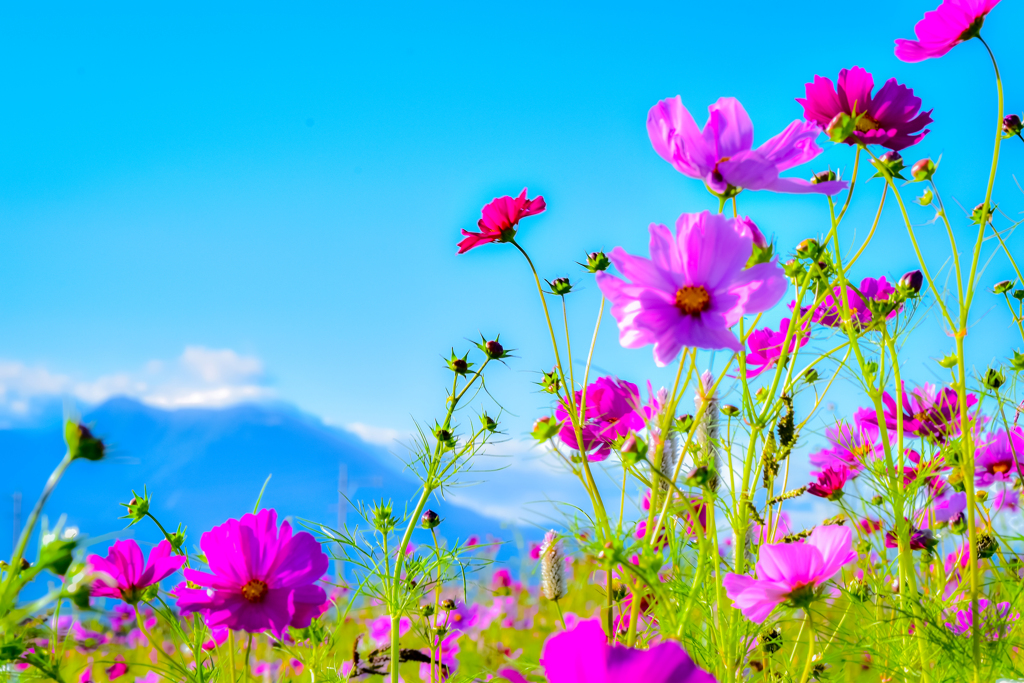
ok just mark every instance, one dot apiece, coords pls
pixel 693 300
pixel 866 123
pixel 255 590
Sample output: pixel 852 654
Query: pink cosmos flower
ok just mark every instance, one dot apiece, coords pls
pixel 380 629
pixel 500 219
pixel 783 529
pixel 766 347
pixel 998 459
pixel 722 155
pixel 995 620
pixel 870 526
pixel 583 655
pixel 1007 499
pixel 613 411
pixel 829 311
pixel 942 29
pixel 852 444
pixel 830 483
pixel 692 290
pixel 793 573
pixel 126 574
pixel 927 412
pixel 950 508
pixel 261 577
pixel 891 118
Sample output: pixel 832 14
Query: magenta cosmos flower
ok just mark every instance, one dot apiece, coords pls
pixel 829 311
pixel 995 620
pixel 999 457
pixel 927 412
pixel 613 411
pixel 500 219
pixel 792 573
pixel 583 655
pixel 127 574
pixel 261 578
pixel 852 444
pixel 830 483
pixel 722 154
pixel 891 118
pixel 945 27
pixel 693 289
pixel 766 347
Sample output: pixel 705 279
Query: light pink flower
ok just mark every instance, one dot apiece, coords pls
pixel 126 574
pixel 583 655
pixel 945 27
pixel 793 573
pixel 692 290
pixel 722 154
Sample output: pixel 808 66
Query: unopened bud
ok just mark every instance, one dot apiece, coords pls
pixel 730 410
pixel 448 605
pixel 488 422
pixel 545 428
pixel 494 349
pixel 430 520
pixel 1017 362
pixel 427 611
pixel 993 379
pixel 808 249
pixel 923 170
pixel 1012 125
pixel 823 177
pixel 840 127
pixel 978 218
pixel 889 165
pixel 913 281
pixel 810 375
pixel 560 286
pixel 877 500
pixel 948 361
pixel 1002 287
pixel 986 546
pixel 597 261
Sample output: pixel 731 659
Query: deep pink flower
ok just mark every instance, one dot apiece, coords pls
pixel 583 655
pixel 692 290
pixel 261 577
pixel 830 483
pixel 945 27
pixel 129 572
pixel 927 412
pixel 613 411
pixel 794 573
pixel 870 526
pixel 500 219
pixel 996 620
pixel 829 311
pixel 999 457
pixel 722 155
pixel 118 668
pixel 766 347
pixel 852 444
pixel 891 118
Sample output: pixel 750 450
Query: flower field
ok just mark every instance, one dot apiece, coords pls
pixel 915 573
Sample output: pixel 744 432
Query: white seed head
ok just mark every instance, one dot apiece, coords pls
pixel 552 568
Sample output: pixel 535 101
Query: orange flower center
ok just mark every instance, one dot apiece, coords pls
pixel 1001 468
pixel 255 590
pixel 693 300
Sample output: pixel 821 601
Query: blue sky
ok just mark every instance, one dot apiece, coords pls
pixel 288 182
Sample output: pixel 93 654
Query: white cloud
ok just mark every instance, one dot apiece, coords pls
pixel 380 436
pixel 200 377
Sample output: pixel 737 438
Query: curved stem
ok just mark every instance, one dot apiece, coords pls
pixel 809 665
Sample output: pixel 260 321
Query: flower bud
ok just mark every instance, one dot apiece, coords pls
pixel 770 640
pixel 859 590
pixel 1018 294
pixel 1002 287
pixel 177 538
pixel 730 410
pixel 808 249
pixel 823 177
pixel 926 198
pixel 494 349
pixel 986 545
pixel 761 394
pixel 448 605
pixel 976 214
pixel 545 428
pixel 633 449
pixel 877 500
pixel 889 165
pixel 430 520
pixel 138 507
pixel 948 361
pixel 993 379
pixel 958 525
pixel 684 423
pixel 81 442
pixel 794 270
pixel 460 366
pixel 427 610
pixel 923 170
pixel 57 554
pixel 981 495
pixel 840 127
pixel 597 261
pixel 382 519
pixel 912 281
pixel 1017 362
pixel 488 422
pixel 551 383
pixel 699 476
pixel 810 375
pixel 560 286
pixel 1012 124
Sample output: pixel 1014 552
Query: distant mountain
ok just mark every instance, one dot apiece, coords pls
pixel 203 466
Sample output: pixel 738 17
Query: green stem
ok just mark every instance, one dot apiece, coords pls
pixel 809 665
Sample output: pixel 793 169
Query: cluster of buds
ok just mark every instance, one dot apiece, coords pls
pixel 812 261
